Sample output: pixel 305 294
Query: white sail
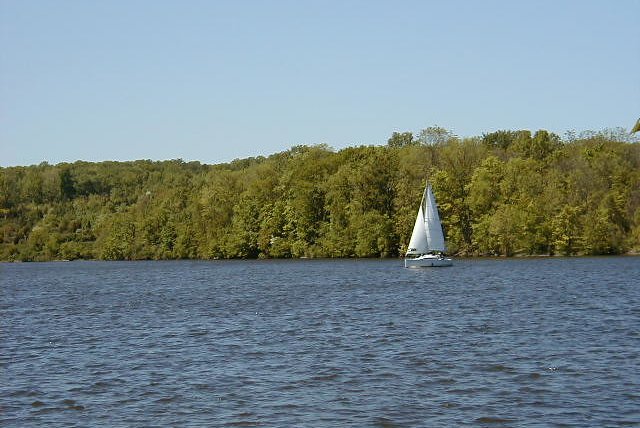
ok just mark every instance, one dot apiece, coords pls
pixel 433 228
pixel 418 243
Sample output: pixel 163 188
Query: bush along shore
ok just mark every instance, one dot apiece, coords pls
pixel 505 193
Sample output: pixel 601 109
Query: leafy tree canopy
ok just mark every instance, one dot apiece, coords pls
pixel 504 193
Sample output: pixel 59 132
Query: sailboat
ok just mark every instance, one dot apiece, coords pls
pixel 427 247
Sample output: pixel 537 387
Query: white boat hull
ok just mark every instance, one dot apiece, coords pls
pixel 428 260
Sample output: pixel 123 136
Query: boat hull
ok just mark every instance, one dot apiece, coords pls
pixel 428 260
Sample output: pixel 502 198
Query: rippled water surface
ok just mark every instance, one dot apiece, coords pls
pixel 317 343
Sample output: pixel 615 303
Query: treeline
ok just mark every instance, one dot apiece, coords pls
pixel 504 193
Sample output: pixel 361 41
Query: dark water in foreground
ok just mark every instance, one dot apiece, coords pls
pixel 313 343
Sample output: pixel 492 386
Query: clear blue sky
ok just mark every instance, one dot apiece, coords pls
pixel 217 80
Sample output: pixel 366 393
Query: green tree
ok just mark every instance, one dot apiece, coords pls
pixel 398 139
pixel 434 135
pixel 67 183
pixel 119 240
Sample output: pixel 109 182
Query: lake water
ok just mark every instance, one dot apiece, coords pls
pixel 549 342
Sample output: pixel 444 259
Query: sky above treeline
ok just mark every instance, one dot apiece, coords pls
pixel 213 81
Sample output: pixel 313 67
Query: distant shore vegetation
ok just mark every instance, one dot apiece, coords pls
pixel 505 193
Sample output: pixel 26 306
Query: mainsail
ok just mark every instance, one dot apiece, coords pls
pixel 435 237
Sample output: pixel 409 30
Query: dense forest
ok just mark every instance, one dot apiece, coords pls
pixel 504 193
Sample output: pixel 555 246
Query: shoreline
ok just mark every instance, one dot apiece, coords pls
pixel 478 257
